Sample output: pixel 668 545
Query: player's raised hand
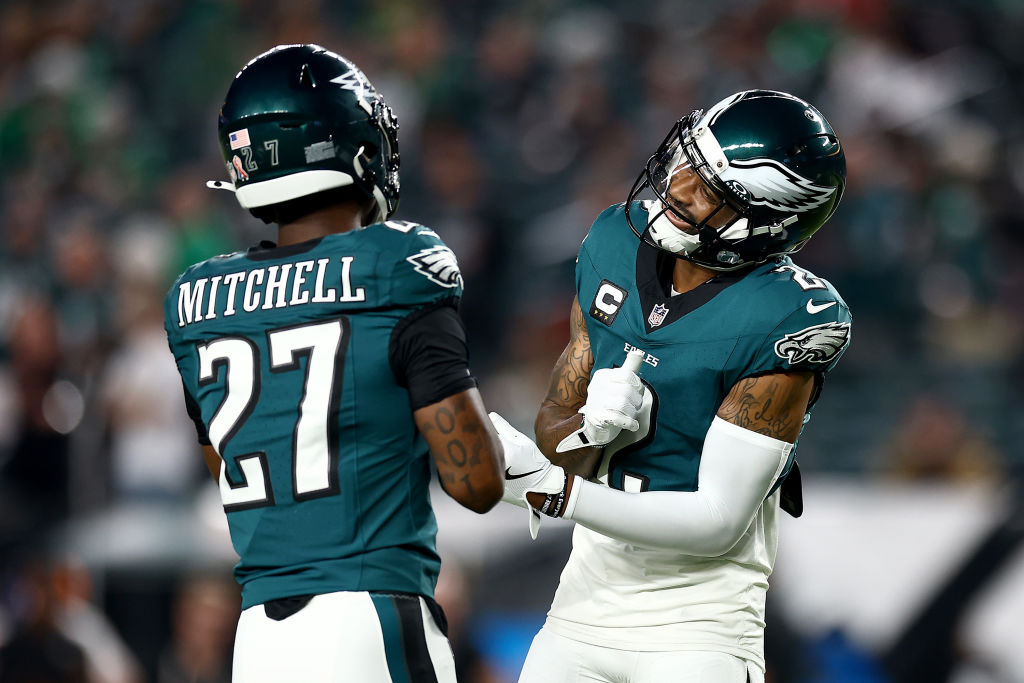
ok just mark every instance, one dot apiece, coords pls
pixel 614 398
pixel 528 471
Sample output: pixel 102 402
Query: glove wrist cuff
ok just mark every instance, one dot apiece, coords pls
pixel 554 503
pixel 574 495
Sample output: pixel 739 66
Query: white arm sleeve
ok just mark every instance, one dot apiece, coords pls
pixel 737 469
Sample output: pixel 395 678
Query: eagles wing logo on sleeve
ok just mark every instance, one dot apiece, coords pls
pixel 766 182
pixel 815 344
pixel 437 264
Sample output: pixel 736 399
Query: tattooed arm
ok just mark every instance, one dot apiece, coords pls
pixel 465 449
pixel 567 393
pixel 745 451
pixel 773 405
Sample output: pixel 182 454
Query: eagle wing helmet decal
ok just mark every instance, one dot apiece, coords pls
pixel 816 344
pixel 437 264
pixel 355 81
pixel 766 182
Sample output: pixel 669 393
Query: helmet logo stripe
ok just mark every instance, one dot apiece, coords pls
pixel 766 182
pixel 355 81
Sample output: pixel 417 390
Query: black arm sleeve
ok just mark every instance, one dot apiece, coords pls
pixel 429 355
pixel 192 407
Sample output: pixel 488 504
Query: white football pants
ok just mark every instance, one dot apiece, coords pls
pixel 345 637
pixel 556 659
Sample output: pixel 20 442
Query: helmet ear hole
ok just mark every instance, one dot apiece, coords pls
pixel 369 149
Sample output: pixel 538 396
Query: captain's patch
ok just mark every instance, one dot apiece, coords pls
pixel 607 302
pixel 815 344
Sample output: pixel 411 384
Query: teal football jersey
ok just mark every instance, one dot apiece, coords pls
pixel 285 351
pixel 774 317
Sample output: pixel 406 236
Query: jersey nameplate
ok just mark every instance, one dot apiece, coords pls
pixel 276 286
pixel 607 302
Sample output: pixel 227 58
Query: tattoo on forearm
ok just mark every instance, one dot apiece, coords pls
pixel 457 453
pixel 758 404
pixel 572 372
pixel 572 380
pixel 445 420
pixel 458 444
pixel 567 391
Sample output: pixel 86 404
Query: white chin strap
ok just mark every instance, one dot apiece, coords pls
pixel 669 237
pixel 737 231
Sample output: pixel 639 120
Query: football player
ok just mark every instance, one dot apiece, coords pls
pixel 320 371
pixel 697 350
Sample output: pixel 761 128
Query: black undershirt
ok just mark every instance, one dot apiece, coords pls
pixel 429 354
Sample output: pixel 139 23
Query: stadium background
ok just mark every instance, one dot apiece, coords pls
pixel 520 121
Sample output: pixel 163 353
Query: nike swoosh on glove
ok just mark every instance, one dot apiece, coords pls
pixel 614 398
pixel 528 471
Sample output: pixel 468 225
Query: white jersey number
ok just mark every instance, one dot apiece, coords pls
pixel 314 456
pixel 804 279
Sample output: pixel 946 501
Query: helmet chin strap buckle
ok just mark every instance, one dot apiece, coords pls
pixel 220 185
pixel 775 228
pixel 729 258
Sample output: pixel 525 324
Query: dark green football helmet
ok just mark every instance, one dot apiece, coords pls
pixel 300 119
pixel 769 156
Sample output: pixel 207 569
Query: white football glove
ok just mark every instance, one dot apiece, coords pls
pixel 614 398
pixel 528 471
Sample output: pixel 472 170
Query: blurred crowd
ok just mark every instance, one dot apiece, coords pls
pixel 520 122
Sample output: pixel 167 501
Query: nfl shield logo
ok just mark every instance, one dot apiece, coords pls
pixel 657 315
